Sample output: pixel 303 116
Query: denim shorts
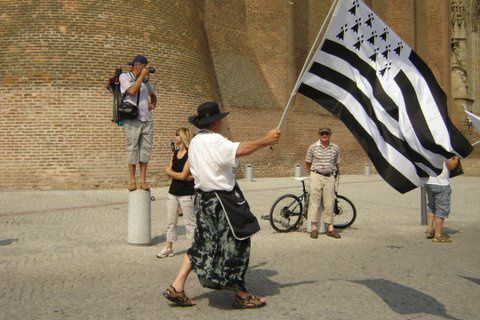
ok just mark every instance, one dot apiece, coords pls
pixel 439 199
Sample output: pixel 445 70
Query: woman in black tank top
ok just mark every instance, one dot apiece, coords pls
pixel 180 194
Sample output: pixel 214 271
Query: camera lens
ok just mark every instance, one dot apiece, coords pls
pixel 151 70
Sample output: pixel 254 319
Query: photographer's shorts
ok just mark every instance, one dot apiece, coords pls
pixel 138 140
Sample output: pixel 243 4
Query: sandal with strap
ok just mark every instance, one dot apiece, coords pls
pixel 429 234
pixel 442 239
pixel 249 302
pixel 178 298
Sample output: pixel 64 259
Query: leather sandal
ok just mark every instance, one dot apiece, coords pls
pixel 314 234
pixel 144 186
pixel 442 239
pixel 249 302
pixel 132 186
pixel 178 298
pixel 429 234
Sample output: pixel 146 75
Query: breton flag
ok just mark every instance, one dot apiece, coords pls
pixel 385 94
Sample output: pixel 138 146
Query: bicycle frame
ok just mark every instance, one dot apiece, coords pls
pixel 304 197
pixel 296 208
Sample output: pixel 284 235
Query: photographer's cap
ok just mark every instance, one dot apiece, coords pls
pixel 138 58
pixel 325 129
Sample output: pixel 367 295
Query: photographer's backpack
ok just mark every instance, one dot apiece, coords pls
pixel 114 87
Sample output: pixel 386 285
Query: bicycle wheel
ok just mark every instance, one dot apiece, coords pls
pixel 344 212
pixel 286 213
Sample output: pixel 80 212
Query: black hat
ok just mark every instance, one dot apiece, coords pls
pixel 208 112
pixel 139 58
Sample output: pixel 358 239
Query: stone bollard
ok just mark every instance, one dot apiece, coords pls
pixel 249 173
pixel 139 217
pixel 298 171
pixel 367 170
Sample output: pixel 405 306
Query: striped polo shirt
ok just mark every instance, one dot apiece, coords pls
pixel 323 160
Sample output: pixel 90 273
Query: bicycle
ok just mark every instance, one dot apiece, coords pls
pixel 289 211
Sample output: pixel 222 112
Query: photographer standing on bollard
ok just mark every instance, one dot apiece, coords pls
pixel 136 90
pixel 221 249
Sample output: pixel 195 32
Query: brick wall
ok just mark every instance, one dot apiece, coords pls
pixel 55 129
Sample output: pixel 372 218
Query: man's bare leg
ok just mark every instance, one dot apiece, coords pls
pixel 438 227
pixel 143 172
pixel 132 184
pixel 430 223
pixel 185 269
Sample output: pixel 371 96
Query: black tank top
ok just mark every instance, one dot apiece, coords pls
pixel 180 187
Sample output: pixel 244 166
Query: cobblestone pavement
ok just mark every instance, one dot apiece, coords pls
pixel 63 255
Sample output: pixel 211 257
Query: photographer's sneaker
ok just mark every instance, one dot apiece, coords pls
pixel 165 253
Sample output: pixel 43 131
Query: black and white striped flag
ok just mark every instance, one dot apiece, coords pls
pixel 385 94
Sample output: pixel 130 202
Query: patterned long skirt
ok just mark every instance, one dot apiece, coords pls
pixel 219 260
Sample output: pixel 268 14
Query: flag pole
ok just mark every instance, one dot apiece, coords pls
pixel 308 63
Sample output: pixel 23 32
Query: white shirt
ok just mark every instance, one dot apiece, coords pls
pixel 442 179
pixel 212 158
pixel 126 80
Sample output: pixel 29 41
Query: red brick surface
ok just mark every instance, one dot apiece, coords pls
pixel 55 129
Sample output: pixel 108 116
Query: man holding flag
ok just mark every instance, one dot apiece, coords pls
pixel 438 193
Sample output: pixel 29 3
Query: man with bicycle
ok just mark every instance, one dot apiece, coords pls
pixel 322 161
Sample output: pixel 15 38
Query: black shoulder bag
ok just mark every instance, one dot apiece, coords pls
pixel 127 110
pixel 241 220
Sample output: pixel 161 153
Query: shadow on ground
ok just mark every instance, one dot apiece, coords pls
pixel 474 280
pixel 181 231
pixel 405 300
pixel 450 230
pixel 258 283
pixel 6 242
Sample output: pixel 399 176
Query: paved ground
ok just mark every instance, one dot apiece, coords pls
pixel 63 255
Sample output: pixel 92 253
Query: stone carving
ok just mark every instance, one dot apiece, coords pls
pixel 464 19
pixel 458 13
pixel 475 10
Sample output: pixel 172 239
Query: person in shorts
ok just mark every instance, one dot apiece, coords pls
pixel 438 194
pixel 136 89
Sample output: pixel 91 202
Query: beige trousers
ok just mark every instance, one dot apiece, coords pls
pixel 186 204
pixel 321 192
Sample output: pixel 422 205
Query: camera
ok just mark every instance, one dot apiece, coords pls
pixel 151 70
